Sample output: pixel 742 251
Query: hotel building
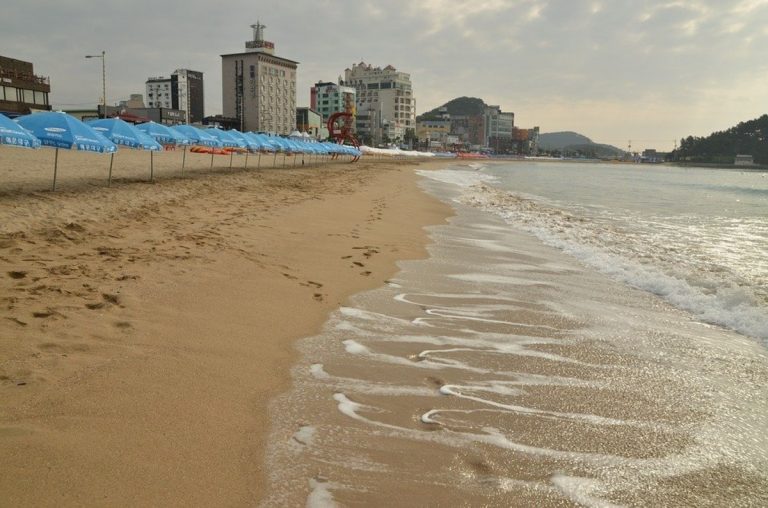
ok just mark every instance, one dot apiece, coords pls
pixel 386 106
pixel 259 88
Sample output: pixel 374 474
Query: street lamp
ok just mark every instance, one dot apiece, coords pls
pixel 103 78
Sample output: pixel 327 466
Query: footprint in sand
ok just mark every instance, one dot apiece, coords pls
pixel 366 273
pixel 358 263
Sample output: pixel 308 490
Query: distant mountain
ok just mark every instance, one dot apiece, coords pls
pixel 458 106
pixel 747 138
pixel 559 140
pixel 573 143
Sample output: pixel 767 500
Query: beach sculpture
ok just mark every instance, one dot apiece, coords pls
pixel 340 128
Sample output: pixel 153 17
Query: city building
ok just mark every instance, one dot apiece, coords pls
pixel 498 127
pixel 182 91
pixel 386 106
pixel 434 134
pixel 259 88
pixel 329 98
pixel 21 91
pixel 310 121
pixel 470 129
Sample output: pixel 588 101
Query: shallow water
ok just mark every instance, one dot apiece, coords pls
pixel 508 371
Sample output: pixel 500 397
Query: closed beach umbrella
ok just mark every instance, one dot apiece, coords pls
pixel 122 133
pixel 13 134
pixel 60 130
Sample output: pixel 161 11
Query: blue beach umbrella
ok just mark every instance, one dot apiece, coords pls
pixel 122 133
pixel 195 136
pixel 13 134
pixel 60 130
pixel 264 145
pixel 227 140
pixel 250 144
pixel 163 135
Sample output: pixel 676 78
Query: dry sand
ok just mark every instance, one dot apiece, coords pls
pixel 145 327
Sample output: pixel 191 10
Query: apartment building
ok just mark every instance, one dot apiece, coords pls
pixel 328 98
pixel 386 106
pixel 498 126
pixel 183 91
pixel 21 91
pixel 259 87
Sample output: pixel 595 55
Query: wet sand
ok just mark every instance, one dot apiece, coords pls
pixel 500 371
pixel 144 328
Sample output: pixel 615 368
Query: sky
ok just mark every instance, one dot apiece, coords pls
pixel 645 71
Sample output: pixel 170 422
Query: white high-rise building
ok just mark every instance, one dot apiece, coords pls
pixel 259 88
pixel 182 91
pixel 386 106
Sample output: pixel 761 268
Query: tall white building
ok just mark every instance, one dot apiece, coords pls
pixel 259 88
pixel 386 106
pixel 182 91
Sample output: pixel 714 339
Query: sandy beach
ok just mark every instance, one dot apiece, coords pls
pixel 145 327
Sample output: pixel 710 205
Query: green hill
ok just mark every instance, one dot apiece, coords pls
pixel 575 144
pixel 458 106
pixel 747 138
pixel 559 140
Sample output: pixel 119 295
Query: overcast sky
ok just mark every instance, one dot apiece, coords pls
pixel 614 70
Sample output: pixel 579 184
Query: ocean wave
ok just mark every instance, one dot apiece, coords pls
pixel 713 293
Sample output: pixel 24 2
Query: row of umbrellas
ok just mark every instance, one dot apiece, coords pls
pixel 60 130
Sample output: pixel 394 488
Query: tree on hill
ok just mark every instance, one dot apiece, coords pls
pixel 456 107
pixel 747 138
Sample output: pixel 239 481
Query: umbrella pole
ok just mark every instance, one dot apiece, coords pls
pixel 183 159
pixel 151 165
pixel 246 160
pixel 212 149
pixel 274 162
pixel 55 168
pixel 111 160
pixel 231 154
pixel 284 156
pixel 258 161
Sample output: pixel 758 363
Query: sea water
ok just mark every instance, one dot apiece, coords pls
pixel 580 334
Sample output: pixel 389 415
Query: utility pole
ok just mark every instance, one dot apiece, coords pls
pixel 103 57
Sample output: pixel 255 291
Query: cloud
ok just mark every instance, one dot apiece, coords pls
pixel 607 59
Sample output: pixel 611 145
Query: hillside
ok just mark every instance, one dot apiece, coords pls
pixel 573 143
pixel 559 140
pixel 458 106
pixel 748 138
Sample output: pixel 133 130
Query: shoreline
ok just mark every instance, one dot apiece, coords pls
pixel 146 326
